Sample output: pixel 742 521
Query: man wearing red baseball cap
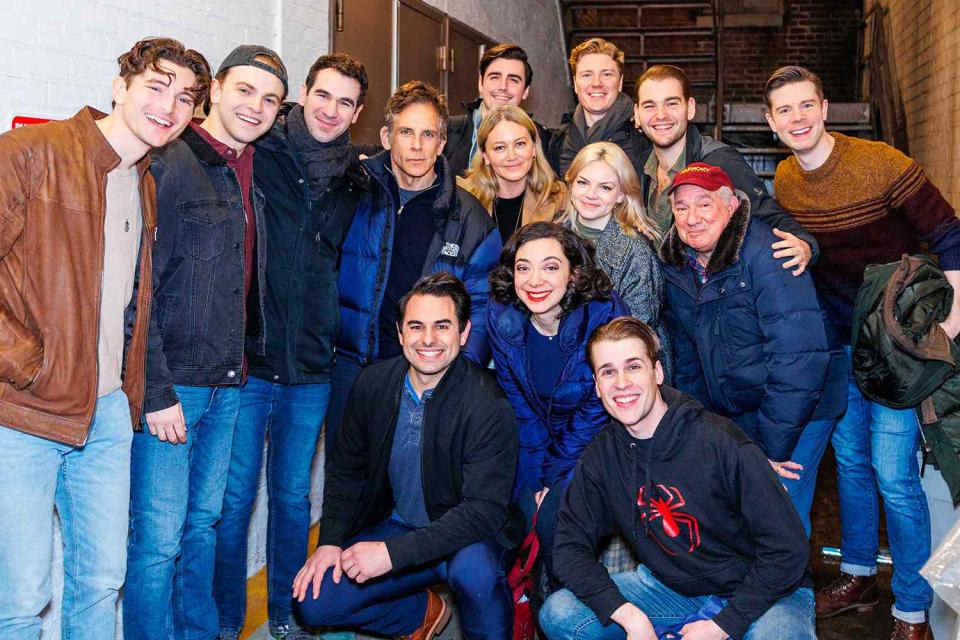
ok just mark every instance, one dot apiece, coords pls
pixel 752 342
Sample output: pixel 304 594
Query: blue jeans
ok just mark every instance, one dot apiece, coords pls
pixel 876 447
pixel 564 617
pixel 808 453
pixel 394 604
pixel 345 373
pixel 289 417
pixel 175 500
pixel 90 488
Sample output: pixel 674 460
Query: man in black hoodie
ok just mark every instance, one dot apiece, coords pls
pixel 312 180
pixel 723 553
pixel 417 491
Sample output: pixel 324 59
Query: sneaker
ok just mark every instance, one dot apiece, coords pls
pixel 847 592
pixel 289 632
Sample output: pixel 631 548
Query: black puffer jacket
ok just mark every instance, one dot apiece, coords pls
pixel 468 460
pixel 303 240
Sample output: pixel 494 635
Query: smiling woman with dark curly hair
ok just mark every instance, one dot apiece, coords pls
pixel 546 297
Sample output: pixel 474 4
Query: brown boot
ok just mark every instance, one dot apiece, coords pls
pixel 434 620
pixel 847 592
pixel 906 631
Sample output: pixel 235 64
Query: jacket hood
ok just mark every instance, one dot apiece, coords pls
pixel 727 252
pixel 681 410
pixel 445 204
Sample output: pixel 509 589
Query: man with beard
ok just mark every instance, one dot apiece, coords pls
pixel 208 281
pixel 312 182
pixel 665 107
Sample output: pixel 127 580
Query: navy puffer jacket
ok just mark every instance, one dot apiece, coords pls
pixel 753 343
pixel 465 242
pixel 552 435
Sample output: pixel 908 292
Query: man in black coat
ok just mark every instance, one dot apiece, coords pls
pixel 664 110
pixel 418 488
pixel 603 112
pixel 505 78
pixel 312 180
pixel 722 551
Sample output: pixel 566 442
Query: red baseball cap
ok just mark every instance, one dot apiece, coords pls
pixel 702 175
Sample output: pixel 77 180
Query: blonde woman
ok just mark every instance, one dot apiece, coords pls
pixel 509 174
pixel 605 207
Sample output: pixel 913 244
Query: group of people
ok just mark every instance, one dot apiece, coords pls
pixel 670 348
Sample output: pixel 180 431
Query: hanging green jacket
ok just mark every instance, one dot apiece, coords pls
pixel 903 359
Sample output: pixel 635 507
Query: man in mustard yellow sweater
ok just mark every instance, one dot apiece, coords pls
pixel 865 203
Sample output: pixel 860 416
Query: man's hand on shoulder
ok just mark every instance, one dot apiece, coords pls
pixel 703 630
pixel 366 560
pixel 634 622
pixel 168 425
pixel 325 557
pixel 796 250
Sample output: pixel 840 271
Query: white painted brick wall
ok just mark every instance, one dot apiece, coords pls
pixel 61 54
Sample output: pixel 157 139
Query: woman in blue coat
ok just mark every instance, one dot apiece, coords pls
pixel 546 296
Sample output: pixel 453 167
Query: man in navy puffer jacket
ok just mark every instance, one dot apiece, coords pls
pixel 414 221
pixel 751 340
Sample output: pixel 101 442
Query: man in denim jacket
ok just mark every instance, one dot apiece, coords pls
pixel 207 288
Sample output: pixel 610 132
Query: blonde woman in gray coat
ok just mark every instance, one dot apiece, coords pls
pixel 605 206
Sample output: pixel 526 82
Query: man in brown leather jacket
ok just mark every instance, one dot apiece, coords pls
pixel 77 221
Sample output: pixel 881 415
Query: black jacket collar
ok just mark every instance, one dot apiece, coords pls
pixel 201 148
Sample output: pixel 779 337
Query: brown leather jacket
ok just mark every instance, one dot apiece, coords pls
pixel 52 198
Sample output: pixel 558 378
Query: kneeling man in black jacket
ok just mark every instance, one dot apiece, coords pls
pixel 723 553
pixel 417 491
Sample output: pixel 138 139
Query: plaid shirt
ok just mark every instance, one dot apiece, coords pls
pixel 698 269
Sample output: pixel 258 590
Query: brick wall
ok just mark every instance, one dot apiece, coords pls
pixel 818 34
pixel 925 39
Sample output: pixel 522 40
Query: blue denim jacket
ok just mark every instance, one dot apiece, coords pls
pixel 199 311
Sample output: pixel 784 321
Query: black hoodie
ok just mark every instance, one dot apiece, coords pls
pixel 701 507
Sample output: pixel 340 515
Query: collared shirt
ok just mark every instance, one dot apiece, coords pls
pixel 477 118
pixel 700 271
pixel 658 203
pixel 406 479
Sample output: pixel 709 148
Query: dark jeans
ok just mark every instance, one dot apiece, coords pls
pixel 394 604
pixel 345 373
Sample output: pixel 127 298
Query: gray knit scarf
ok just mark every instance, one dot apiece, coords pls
pixel 323 161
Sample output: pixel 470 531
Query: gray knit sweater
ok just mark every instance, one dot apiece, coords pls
pixel 631 262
